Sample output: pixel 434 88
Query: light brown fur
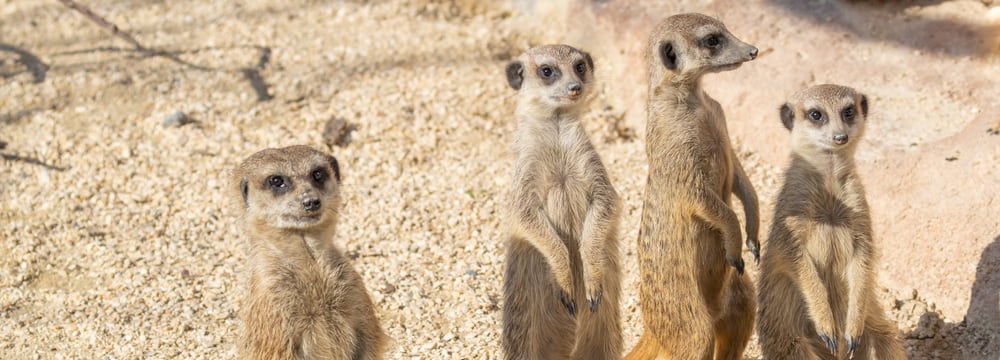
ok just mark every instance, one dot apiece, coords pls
pixel 562 282
pixel 817 281
pixel 305 300
pixel 694 304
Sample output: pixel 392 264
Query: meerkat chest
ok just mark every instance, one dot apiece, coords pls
pixel 832 232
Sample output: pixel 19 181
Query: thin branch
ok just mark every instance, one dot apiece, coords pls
pixel 104 23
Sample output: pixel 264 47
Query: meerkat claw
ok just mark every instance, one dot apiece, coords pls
pixel 737 264
pixel 852 344
pixel 831 343
pixel 595 300
pixel 569 304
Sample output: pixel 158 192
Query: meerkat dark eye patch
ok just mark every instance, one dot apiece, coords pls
pixel 815 116
pixel 278 184
pixel 549 74
pixel 668 56
pixel 713 41
pixel 515 74
pixel 580 67
pixel 787 116
pixel 848 114
pixel 589 60
pixel 319 176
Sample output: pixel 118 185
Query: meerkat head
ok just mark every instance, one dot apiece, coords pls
pixel 552 76
pixel 293 188
pixel 690 45
pixel 828 118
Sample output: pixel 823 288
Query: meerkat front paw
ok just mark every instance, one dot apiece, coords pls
pixel 831 341
pixel 734 254
pixel 594 295
pixel 754 246
pixel 568 302
pixel 852 344
pixel 567 292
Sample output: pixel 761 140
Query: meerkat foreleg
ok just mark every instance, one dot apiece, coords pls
pixel 859 287
pixel 744 190
pixel 722 217
pixel 532 223
pixel 813 290
pixel 598 225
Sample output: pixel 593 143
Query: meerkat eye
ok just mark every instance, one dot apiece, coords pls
pixel 580 68
pixel 276 182
pixel 713 41
pixel 815 115
pixel 319 176
pixel 848 113
pixel 546 71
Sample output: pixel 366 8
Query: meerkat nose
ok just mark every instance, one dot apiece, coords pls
pixel 753 53
pixel 311 204
pixel 840 139
pixel 574 88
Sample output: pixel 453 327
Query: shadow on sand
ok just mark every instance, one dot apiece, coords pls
pixel 978 335
pixel 933 35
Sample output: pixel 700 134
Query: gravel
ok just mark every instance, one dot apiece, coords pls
pixel 120 233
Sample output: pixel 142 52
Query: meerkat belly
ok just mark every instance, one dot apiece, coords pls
pixel 566 202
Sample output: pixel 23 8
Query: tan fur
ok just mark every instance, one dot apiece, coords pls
pixel 817 282
pixel 694 304
pixel 562 281
pixel 305 300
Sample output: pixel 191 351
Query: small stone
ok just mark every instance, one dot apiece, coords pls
pixel 471 272
pixel 336 132
pixel 388 289
pixel 176 119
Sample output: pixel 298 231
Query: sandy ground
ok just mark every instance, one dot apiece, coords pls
pixel 119 233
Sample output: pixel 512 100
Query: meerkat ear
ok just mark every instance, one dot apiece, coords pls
pixel 787 115
pixel 589 60
pixel 864 105
pixel 668 56
pixel 335 166
pixel 243 190
pixel 515 74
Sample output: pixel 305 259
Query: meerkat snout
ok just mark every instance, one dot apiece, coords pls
pixel 840 139
pixel 311 203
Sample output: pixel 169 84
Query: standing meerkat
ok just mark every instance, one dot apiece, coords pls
pixel 305 300
pixel 817 280
pixel 562 252
pixel 694 297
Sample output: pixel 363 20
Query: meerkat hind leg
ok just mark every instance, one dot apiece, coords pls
pixel 734 328
pixel 537 326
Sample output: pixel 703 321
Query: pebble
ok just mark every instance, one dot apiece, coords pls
pixel 176 119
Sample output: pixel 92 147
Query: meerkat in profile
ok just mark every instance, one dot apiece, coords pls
pixel 817 281
pixel 696 302
pixel 562 282
pixel 305 300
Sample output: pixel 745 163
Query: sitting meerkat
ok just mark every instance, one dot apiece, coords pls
pixel 563 218
pixel 696 301
pixel 817 280
pixel 305 300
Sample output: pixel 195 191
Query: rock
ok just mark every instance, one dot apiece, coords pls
pixel 337 131
pixel 176 119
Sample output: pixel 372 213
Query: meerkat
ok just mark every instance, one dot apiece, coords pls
pixel 695 300
pixel 305 300
pixel 563 218
pixel 817 281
